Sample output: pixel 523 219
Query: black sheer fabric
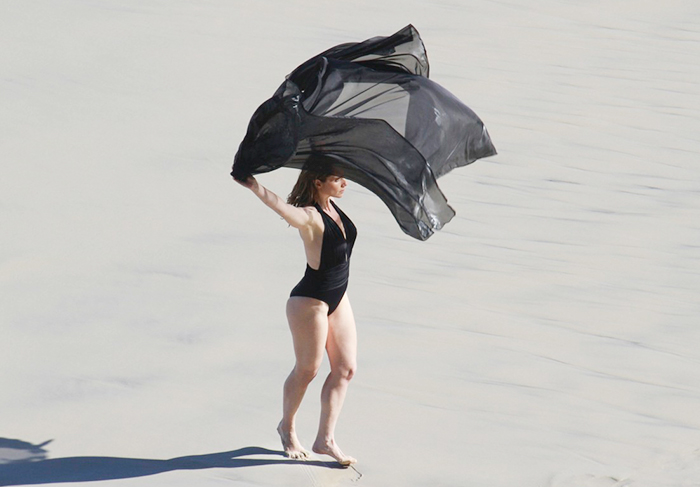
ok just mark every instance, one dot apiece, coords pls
pixel 370 107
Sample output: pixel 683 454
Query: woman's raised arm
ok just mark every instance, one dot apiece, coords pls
pixel 296 217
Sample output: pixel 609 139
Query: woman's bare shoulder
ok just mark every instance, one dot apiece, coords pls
pixel 315 222
pixel 314 215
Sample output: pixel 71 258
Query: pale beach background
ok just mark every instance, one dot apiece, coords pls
pixel 548 336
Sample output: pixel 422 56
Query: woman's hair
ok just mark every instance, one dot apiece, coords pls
pixel 304 191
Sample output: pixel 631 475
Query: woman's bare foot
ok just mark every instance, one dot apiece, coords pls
pixel 330 448
pixel 291 445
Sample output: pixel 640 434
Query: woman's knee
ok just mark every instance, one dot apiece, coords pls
pixel 345 372
pixel 306 372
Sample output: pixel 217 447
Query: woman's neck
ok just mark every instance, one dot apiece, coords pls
pixel 324 202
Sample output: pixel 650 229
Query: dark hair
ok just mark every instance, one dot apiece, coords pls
pixel 304 191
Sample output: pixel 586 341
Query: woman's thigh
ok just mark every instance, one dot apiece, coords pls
pixel 342 338
pixel 308 322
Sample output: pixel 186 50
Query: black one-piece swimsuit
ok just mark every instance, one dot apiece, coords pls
pixel 329 282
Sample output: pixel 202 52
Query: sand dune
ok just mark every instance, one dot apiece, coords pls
pixel 546 337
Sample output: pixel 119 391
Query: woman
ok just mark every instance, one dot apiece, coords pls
pixel 318 309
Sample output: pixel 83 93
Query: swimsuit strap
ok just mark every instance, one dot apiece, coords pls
pixel 326 216
pixel 344 219
pixel 335 247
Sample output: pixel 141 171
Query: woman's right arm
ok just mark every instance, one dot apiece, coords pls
pixel 296 217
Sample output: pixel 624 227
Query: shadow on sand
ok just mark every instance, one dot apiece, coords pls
pixel 85 469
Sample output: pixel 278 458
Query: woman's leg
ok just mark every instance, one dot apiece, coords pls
pixel 308 323
pixel 341 346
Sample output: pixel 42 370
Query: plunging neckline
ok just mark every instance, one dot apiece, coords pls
pixel 337 210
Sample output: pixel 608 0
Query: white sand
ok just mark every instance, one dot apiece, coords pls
pixel 548 336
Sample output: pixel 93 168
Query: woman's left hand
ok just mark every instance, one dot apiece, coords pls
pixel 249 183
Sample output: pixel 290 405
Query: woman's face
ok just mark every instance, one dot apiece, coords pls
pixel 333 186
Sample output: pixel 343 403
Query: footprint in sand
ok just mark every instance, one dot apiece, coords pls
pixel 667 471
